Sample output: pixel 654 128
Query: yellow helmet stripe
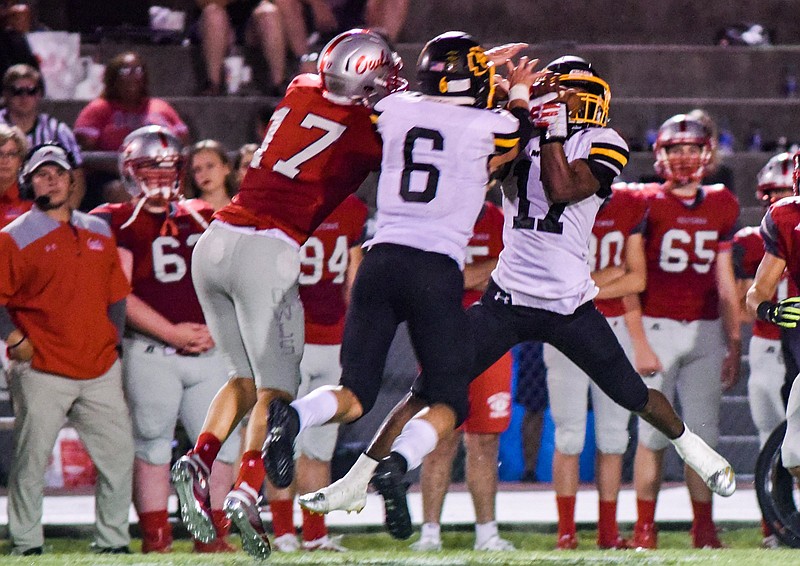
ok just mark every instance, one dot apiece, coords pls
pixel 615 155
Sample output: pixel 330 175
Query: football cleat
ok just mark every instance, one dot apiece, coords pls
pixel 324 544
pixel 242 509
pixel 618 543
pixel 388 482
pixel 283 425
pixel 495 543
pixel 714 470
pixel 567 541
pixel 286 543
pixel 191 485
pixel 645 536
pixel 427 544
pixel 342 495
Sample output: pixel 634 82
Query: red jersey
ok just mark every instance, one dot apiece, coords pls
pixel 314 154
pixel 619 217
pixel 162 255
pixel 486 243
pixel 11 206
pixel 107 123
pixel 781 235
pixel 748 249
pixel 682 240
pixel 324 260
pixel 57 280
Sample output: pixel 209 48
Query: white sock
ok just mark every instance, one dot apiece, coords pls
pixel 417 439
pixel 431 531
pixel 485 531
pixel 316 408
pixel 362 470
pixel 685 440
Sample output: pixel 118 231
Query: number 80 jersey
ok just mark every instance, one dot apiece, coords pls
pixel 545 262
pixel 434 170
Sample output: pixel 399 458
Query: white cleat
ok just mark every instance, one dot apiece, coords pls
pixel 427 544
pixel 342 495
pixel 495 544
pixel 716 471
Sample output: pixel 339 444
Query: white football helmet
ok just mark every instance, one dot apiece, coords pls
pixel 359 66
pixel 683 129
pixel 776 178
pixel 151 163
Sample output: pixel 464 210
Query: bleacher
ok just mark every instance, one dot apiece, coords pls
pixel 658 57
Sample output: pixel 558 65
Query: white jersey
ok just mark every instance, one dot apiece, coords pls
pixel 434 170
pixel 545 261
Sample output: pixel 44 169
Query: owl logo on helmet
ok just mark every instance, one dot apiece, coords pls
pixel 151 163
pixel 683 169
pixel 358 66
pixel 454 66
pixel 776 179
pixel 592 91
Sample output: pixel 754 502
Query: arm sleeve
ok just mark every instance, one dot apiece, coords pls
pixel 771 235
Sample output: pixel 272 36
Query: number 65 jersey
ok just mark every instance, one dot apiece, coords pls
pixel 435 170
pixel 545 262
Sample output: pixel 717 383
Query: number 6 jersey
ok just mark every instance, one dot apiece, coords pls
pixel 435 170
pixel 545 262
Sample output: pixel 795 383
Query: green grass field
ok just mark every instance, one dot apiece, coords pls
pixel 380 549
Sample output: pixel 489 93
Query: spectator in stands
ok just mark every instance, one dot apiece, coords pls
pixel 63 344
pixel 124 106
pixel 23 89
pixel 243 159
pixel 209 174
pixel 14 24
pixel 254 22
pixel 13 147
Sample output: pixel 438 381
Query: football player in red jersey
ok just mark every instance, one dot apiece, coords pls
pixel 767 367
pixel 172 369
pixel 489 413
pixel 690 312
pixel 319 146
pixel 781 241
pixel 618 265
pixel 328 261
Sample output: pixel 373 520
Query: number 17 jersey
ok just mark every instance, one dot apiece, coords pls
pixel 545 261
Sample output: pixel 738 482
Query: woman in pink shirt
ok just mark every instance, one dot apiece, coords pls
pixel 124 106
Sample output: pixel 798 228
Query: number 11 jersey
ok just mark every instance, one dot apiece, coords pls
pixel 545 262
pixel 435 170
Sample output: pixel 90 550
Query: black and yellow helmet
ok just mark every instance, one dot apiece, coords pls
pixel 595 94
pixel 453 65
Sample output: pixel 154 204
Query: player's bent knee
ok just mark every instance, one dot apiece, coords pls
pixel 318 443
pixel 612 442
pixel 155 451
pixel 570 441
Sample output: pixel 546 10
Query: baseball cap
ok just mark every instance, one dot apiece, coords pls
pixel 47 154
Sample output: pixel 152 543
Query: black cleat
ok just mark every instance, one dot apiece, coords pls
pixel 283 425
pixel 388 481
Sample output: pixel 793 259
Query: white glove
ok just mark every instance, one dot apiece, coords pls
pixel 550 116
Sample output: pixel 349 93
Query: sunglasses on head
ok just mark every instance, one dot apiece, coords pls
pixel 24 90
pixel 136 71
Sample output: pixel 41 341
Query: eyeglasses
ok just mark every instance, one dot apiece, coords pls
pixel 136 71
pixel 9 154
pixel 24 90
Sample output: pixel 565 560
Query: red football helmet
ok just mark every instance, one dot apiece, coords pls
pixel 151 163
pixel 777 178
pixel 683 130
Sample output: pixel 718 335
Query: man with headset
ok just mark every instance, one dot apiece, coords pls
pixel 49 257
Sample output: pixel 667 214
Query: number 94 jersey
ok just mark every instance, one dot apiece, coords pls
pixel 545 262
pixel 435 170
pixel 162 247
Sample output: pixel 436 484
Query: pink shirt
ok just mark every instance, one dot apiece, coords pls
pixel 107 122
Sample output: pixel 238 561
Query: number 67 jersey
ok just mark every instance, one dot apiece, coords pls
pixel 545 262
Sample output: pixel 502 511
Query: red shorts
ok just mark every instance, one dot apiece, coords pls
pixel 490 399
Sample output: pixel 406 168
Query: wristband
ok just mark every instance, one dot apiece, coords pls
pixel 519 92
pixel 21 340
pixel 762 312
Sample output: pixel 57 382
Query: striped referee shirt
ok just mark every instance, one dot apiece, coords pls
pixel 48 129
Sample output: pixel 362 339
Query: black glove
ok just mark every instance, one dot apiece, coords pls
pixel 785 313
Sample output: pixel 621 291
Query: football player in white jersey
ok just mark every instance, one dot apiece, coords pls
pixel 542 289
pixel 439 147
